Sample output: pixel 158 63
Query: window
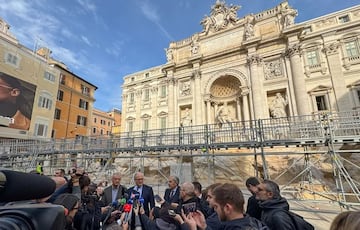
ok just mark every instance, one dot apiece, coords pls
pixel 130 126
pixel 101 132
pixel 146 124
pixel 49 76
pixel 94 131
pixel 12 59
pixel 163 91
pixel 45 101
pixel 60 95
pixel 146 95
pixel 147 75
pixel 62 79
pixel 352 49
pixel 162 122
pixel 109 123
pixel 81 120
pixel 94 119
pixel 344 19
pixel 85 90
pixel 132 98
pixel 132 79
pixel 57 114
pixel 312 58
pixel 358 94
pixel 321 102
pixel 83 104
pixel 40 129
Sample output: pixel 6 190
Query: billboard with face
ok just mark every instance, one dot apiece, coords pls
pixel 16 102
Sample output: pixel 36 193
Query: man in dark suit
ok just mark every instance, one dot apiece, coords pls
pixel 172 194
pixel 145 192
pixel 114 192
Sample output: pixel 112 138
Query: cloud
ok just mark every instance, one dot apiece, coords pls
pixel 86 40
pixel 89 6
pixel 151 14
pixel 115 48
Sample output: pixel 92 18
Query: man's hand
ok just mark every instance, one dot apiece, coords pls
pixel 199 219
pixel 189 220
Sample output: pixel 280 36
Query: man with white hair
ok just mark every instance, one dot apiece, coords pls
pixel 145 192
pixel 189 202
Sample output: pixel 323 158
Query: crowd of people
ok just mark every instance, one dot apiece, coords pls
pixel 185 206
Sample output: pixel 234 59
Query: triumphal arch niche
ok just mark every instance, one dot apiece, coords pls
pixel 227 97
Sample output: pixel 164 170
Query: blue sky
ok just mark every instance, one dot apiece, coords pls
pixel 104 40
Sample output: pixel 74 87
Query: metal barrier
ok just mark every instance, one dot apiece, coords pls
pixel 299 131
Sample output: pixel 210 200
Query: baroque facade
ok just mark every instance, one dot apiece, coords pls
pixel 260 66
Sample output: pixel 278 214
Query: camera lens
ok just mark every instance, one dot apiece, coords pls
pixel 14 222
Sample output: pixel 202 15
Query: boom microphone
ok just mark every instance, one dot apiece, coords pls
pixel 16 186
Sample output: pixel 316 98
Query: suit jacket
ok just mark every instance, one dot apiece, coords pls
pixel 106 198
pixel 147 195
pixel 175 198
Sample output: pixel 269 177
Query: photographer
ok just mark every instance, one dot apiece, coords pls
pixel 72 186
pixel 89 215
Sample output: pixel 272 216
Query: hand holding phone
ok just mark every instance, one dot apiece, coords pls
pixel 172 212
pixel 189 207
pixel 157 198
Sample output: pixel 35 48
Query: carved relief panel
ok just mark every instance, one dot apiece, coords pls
pixel 273 69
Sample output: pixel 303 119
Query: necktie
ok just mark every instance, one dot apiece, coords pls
pixel 172 193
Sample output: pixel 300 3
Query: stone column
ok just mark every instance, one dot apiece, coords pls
pixel 302 103
pixel 246 113
pixel 238 108
pixel 256 84
pixel 171 105
pixel 198 106
pixel 208 108
pixel 342 101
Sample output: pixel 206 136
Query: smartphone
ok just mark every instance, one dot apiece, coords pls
pixel 171 212
pixel 189 207
pixel 157 198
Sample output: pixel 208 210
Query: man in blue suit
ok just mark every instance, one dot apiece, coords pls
pixel 172 194
pixel 146 192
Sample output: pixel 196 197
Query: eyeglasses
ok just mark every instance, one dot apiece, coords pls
pixel 6 86
pixel 139 179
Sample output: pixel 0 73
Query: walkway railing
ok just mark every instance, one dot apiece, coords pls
pixel 289 131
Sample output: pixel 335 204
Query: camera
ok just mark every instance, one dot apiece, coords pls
pixel 32 216
pixel 189 207
pixel 18 212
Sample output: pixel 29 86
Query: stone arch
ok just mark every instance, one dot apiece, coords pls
pixel 226 73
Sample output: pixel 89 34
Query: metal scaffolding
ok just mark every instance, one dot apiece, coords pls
pixel 313 147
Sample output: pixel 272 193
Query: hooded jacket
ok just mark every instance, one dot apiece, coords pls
pixel 275 214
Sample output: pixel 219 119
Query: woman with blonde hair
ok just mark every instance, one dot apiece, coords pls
pixel 349 220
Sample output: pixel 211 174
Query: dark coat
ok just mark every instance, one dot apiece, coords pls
pixel 275 214
pixel 253 209
pixel 173 199
pixel 106 198
pixel 214 221
pixel 147 195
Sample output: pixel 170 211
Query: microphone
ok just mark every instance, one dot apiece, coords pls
pixel 128 210
pixel 16 186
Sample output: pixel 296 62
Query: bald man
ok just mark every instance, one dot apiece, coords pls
pixel 146 192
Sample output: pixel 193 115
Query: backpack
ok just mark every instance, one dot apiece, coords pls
pixel 299 222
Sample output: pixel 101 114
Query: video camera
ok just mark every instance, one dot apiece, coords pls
pixel 18 186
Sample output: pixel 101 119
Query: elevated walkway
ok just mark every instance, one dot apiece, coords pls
pixel 303 150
